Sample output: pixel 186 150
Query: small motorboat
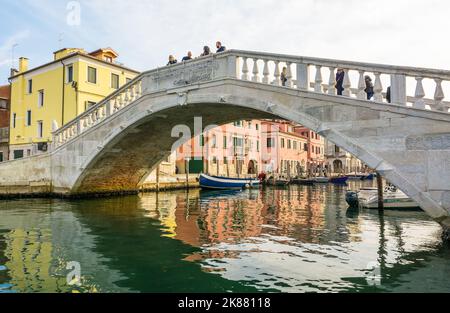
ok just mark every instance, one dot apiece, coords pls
pixel 218 182
pixel 321 180
pixel 393 198
pixel 302 181
pixel 280 182
pixel 339 180
pixel 368 177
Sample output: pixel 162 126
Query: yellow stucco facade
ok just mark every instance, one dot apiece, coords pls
pixel 53 94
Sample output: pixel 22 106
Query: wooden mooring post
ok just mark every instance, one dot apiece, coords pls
pixel 186 165
pixel 380 192
pixel 157 178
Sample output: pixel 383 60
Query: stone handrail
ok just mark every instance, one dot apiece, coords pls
pixel 271 74
pixel 234 64
pixel 98 112
pixel 154 80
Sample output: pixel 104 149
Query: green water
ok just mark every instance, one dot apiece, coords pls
pixel 300 239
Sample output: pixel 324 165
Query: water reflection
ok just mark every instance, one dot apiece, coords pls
pixel 298 239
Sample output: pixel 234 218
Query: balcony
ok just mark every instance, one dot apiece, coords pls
pixel 4 135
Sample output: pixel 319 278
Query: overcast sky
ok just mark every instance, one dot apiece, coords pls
pixel 144 32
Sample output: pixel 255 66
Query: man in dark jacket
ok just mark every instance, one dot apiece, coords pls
pixel 220 48
pixel 369 87
pixel 340 74
pixel 188 57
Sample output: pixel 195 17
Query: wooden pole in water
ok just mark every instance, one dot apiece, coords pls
pixel 157 178
pixel 186 165
pixel 380 192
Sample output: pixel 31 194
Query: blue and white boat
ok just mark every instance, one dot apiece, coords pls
pixel 218 182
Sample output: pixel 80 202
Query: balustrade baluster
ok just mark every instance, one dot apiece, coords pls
pixel 121 101
pixel 245 69
pixel 127 96
pixel 116 104
pixel 419 94
pixel 277 74
pixel 266 72
pixel 332 82
pixel 361 87
pixel 439 96
pixel 139 88
pixel 288 75
pixel 255 77
pixel 318 79
pixel 378 88
pixel 347 84
pixel 132 93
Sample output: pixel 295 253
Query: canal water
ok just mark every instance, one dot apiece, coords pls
pixel 297 239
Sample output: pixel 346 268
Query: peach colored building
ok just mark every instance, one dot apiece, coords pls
pixel 232 150
pixel 316 149
pixel 285 152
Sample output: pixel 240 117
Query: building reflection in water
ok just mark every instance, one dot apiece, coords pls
pixel 37 243
pixel 299 238
pixel 294 239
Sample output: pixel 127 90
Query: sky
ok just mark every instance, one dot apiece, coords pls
pixel 145 32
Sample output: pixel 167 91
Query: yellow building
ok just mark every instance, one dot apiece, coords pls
pixel 51 95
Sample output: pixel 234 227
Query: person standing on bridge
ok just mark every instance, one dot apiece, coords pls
pixel 172 60
pixel 283 76
pixel 369 87
pixel 206 51
pixel 188 57
pixel 220 48
pixel 340 74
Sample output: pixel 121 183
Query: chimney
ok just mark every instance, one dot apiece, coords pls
pixel 23 65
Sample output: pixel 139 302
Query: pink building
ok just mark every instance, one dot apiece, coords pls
pixel 231 150
pixel 285 152
pixel 250 147
pixel 316 148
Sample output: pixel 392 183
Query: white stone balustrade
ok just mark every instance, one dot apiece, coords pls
pixel 357 70
pixel 98 112
pixel 266 70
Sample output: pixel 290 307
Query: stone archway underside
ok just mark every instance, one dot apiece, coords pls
pixel 134 154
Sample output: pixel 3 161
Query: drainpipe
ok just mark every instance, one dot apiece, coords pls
pixel 63 92
pixel 8 109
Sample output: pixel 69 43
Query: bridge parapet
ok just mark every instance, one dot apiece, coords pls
pixel 99 112
pixel 266 68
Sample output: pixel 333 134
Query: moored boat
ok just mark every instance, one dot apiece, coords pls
pixel 280 182
pixel 339 180
pixel 321 180
pixel 218 182
pixel 302 181
pixel 393 198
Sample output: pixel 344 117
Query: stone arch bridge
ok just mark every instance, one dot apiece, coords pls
pixel 113 146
